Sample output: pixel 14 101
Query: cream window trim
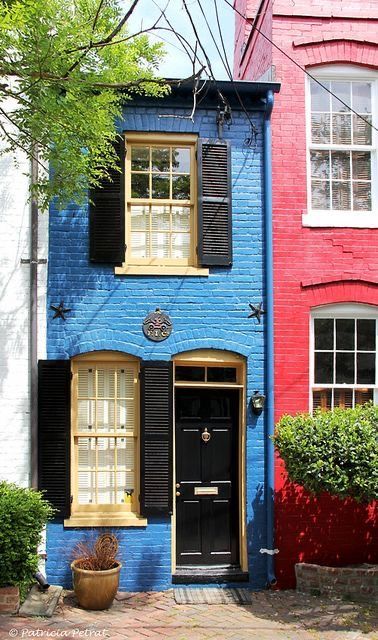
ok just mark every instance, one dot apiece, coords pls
pixel 154 270
pixel 98 513
pixel 104 520
pixel 183 266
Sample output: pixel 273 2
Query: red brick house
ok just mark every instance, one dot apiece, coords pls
pixel 325 223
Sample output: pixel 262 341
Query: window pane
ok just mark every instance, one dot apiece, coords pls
pixel 361 97
pixel 105 415
pixel 363 395
pixel 320 191
pixel 181 187
pixel 125 415
pixel 140 245
pixel 344 367
pixel 86 448
pixel 160 247
pixel 365 368
pixel 342 91
pixel 160 218
pixel 140 185
pixel 320 128
pixel 341 196
pixel 322 399
pixel 361 165
pixel 362 130
pixel 345 335
pixel 160 159
pixel 320 98
pixel 86 415
pixel 140 218
pixel 324 367
pixel 105 453
pixel 190 374
pixel 86 487
pixel 323 333
pixel 180 218
pixel 362 196
pixel 340 165
pixel 160 186
pixel 140 158
pixel 125 485
pixel 366 335
pixel 341 129
pixel 320 164
pixel 180 245
pixel 105 484
pixel 343 398
pixel 221 374
pixel 125 383
pixel 105 383
pixel 86 383
pixel 180 160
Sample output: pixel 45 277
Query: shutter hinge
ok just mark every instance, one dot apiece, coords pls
pixel 197 250
pixel 71 375
pixel 71 499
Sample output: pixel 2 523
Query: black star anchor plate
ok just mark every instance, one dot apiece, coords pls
pixel 257 311
pixel 60 310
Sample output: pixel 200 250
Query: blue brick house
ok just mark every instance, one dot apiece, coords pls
pixel 146 423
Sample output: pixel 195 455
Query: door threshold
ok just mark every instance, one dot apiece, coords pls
pixel 207 575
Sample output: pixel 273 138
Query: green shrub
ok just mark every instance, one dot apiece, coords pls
pixel 334 451
pixel 23 514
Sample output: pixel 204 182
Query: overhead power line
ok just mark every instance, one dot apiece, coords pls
pixel 284 53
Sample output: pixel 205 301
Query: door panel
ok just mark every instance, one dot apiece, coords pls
pixel 207 477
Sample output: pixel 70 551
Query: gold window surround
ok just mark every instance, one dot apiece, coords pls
pixel 105 393
pixel 158 217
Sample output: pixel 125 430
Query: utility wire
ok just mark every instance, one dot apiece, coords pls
pixel 226 64
pixel 300 66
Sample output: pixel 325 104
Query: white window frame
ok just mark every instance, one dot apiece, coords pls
pixel 332 218
pixel 342 311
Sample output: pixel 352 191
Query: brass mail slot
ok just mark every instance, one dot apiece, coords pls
pixel 205 491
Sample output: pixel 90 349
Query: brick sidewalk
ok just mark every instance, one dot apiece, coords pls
pixel 273 615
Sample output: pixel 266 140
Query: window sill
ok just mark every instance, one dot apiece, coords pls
pixel 106 520
pixel 345 219
pixel 160 271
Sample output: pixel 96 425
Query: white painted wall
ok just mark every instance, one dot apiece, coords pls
pixel 14 317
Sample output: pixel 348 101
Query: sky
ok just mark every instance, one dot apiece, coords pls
pixel 177 63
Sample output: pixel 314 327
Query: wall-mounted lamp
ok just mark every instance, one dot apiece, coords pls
pixel 257 402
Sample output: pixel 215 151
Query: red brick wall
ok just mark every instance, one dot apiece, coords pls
pixel 312 266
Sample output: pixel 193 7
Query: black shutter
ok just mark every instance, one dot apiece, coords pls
pixel 156 438
pixel 54 419
pixel 107 215
pixel 214 203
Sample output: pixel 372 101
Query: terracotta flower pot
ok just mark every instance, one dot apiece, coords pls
pixel 95 590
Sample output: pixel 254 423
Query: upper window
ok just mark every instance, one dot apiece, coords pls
pixel 342 150
pixel 160 194
pixel 344 371
pixel 173 195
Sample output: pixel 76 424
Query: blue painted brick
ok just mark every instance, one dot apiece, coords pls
pixel 207 312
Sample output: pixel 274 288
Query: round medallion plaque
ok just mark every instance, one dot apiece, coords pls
pixel 157 326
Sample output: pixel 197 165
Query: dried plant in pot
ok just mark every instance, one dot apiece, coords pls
pixel 95 572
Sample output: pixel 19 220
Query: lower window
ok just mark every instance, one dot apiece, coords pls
pixel 344 372
pixel 104 436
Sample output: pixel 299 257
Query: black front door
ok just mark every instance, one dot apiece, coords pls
pixel 207 477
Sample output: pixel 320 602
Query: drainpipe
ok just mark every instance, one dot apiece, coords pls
pixel 33 320
pixel 269 414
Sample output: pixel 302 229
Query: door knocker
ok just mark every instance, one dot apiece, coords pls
pixel 205 435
